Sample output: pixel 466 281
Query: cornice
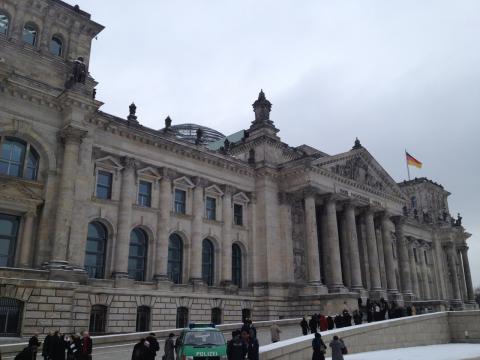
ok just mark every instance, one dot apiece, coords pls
pixel 289 152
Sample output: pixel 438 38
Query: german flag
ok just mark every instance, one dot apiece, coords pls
pixel 412 161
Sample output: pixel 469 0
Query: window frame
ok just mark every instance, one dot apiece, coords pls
pixel 102 311
pixel 216 314
pixel 208 267
pixel 13 239
pixel 147 312
pixel 235 222
pixel 35 28
pixel 97 184
pixel 141 272
pixel 178 278
pixel 211 212
pixel 7 306
pixel 141 196
pixel 237 268
pixel 9 21
pixel 60 39
pixel 178 203
pixel 23 164
pixel 182 314
pixel 104 255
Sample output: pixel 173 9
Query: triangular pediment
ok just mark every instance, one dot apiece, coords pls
pixel 214 190
pixel 184 181
pixel 241 197
pixel 360 166
pixel 109 162
pixel 16 191
pixel 149 172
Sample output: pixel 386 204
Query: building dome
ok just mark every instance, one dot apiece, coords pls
pixel 188 132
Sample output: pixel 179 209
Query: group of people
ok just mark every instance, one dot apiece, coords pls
pixel 379 310
pixel 320 349
pixel 320 322
pixel 147 348
pixel 58 346
pixel 244 343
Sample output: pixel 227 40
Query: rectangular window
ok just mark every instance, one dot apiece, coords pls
pixel 145 194
pixel 211 204
pixel 104 185
pixel 180 201
pixel 238 214
pixel 415 254
pixel 426 258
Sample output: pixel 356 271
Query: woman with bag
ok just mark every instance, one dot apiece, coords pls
pixel 319 348
pixel 338 348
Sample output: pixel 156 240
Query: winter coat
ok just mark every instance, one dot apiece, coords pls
pixel 337 346
pixel 313 325
pixel 26 354
pixel 317 345
pixel 304 326
pixel 57 346
pixel 153 348
pixel 169 349
pixel 73 349
pixel 86 348
pixel 252 349
pixel 140 351
pixel 47 346
pixel 236 349
pixel 323 323
pixel 330 322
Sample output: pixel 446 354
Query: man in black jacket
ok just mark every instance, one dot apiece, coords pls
pixel 236 348
pixel 154 346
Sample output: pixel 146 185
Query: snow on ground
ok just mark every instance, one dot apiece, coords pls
pixel 431 352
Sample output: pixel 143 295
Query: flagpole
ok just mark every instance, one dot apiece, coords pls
pixel 408 169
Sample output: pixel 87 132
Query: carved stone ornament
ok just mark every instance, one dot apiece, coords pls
pixel 262 108
pixel 129 163
pixel 71 134
pixel 356 169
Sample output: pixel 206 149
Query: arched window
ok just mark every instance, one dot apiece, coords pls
pixel 8 238
pixel 95 251
pixel 137 258
pixel 56 45
pixel 413 202
pixel 4 23
pixel 236 265
pixel 182 317
pixel 246 314
pixel 208 262
pixel 98 319
pixel 216 316
pixel 30 34
pixel 175 258
pixel 143 318
pixel 10 316
pixel 18 158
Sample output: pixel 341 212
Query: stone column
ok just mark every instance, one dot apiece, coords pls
pixel 313 256
pixel 375 283
pixel 413 269
pixel 197 222
pixel 424 271
pixel 392 286
pixel 335 283
pixel 124 222
pixel 468 275
pixel 403 256
pixel 163 227
pixel 344 252
pixel 227 236
pixel 462 281
pixel 26 243
pixel 452 264
pixel 72 138
pixel 286 201
pixel 352 239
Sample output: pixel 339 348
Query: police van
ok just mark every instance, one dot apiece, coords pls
pixel 201 342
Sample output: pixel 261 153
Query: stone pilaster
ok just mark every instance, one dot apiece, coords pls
pixel 285 201
pixel 344 252
pixel 424 272
pixel 375 283
pixel 165 206
pixel 413 269
pixel 26 247
pixel 335 282
pixel 72 138
pixel 468 275
pixel 313 256
pixel 352 239
pixel 227 236
pixel 392 286
pixel 127 199
pixel 197 222
pixel 404 264
pixel 461 273
pixel 452 265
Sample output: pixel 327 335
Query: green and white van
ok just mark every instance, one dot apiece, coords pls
pixel 202 342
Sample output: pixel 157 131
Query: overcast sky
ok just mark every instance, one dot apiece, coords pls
pixel 397 74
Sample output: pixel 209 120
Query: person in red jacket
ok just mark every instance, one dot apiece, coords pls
pixel 86 346
pixel 323 323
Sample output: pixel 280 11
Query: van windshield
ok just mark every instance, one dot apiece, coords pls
pixel 204 338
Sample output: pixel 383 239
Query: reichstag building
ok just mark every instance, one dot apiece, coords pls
pixel 108 225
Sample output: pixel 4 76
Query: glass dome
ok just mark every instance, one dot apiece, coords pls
pixel 188 132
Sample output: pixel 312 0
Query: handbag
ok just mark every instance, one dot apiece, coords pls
pixel 344 350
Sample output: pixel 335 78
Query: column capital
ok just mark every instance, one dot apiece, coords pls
pixel 32 213
pixel 168 174
pixel 463 248
pixel 331 198
pixel 72 135
pixel 228 190
pixel 285 198
pixel 129 163
pixel 309 191
pixel 200 182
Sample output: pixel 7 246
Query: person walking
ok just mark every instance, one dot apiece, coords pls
pixel 357 317
pixel 304 326
pixel 312 324
pixel 46 349
pixel 319 348
pixel 86 346
pixel 323 323
pixel 330 322
pixel 236 348
pixel 275 332
pixel 73 346
pixel 34 344
pixel 169 348
pixel 57 351
pixel 154 346
pixel 252 346
pixel 338 348
pixel 140 350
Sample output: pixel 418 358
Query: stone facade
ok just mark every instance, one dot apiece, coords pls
pixel 103 217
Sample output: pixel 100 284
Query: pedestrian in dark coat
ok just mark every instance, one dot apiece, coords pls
pixel 73 346
pixel 25 354
pixel 170 347
pixel 46 350
pixel 319 348
pixel 140 350
pixel 304 326
pixel 252 346
pixel 312 324
pixel 323 322
pixel 330 322
pixel 154 346
pixel 57 347
pixel 34 344
pixel 236 348
pixel 86 346
pixel 338 348
pixel 357 317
